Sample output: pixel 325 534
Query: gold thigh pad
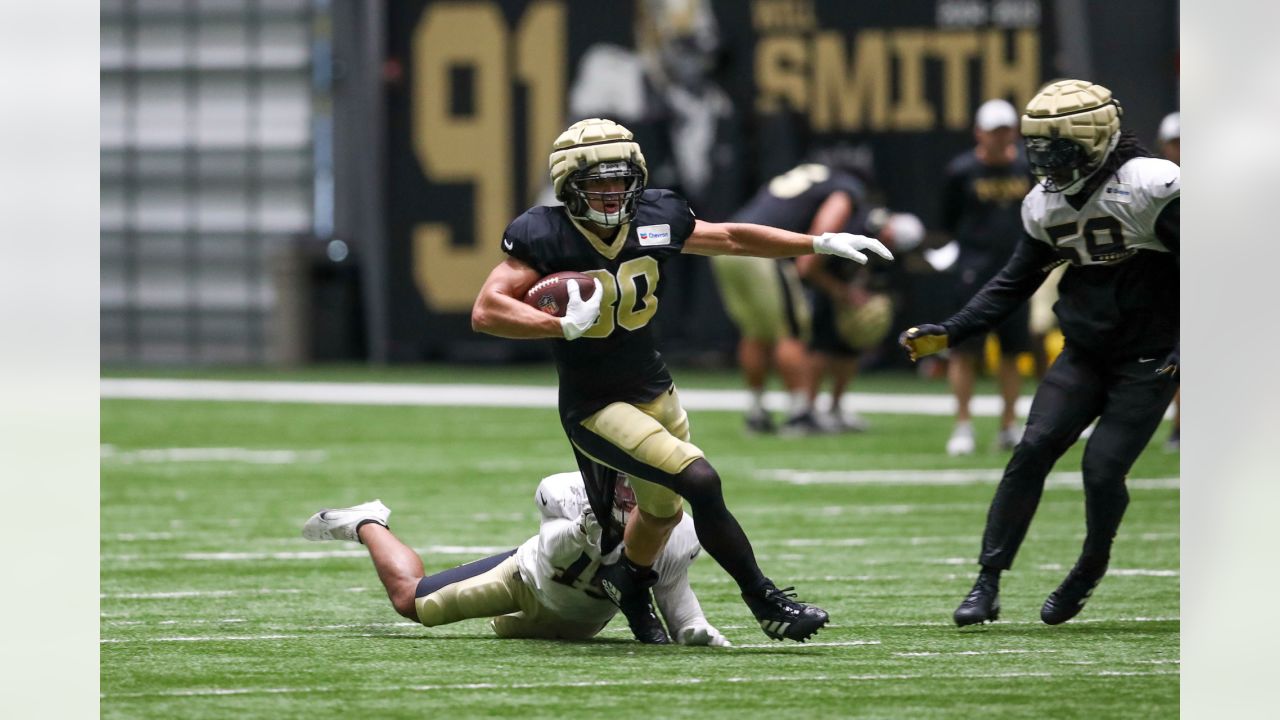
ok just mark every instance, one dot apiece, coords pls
pixel 655 433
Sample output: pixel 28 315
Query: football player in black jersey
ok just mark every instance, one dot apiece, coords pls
pixel 618 404
pixel 1110 209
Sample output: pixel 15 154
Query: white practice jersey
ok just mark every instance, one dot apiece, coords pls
pixel 1115 222
pixel 560 563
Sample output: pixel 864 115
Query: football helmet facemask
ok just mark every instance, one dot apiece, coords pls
pixel 597 160
pixel 624 499
pixel 1070 126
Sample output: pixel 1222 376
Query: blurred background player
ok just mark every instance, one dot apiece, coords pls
pixel 1169 138
pixel 765 300
pixel 618 403
pixel 1105 205
pixel 980 211
pixel 546 588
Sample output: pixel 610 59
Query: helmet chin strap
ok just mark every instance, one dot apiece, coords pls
pixel 604 219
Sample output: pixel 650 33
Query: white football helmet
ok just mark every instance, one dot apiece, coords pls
pixel 1070 127
pixel 598 149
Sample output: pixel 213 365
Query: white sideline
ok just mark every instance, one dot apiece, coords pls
pixel 518 396
pixel 633 682
pixel 474 395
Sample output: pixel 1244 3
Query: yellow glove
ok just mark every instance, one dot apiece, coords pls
pixel 923 340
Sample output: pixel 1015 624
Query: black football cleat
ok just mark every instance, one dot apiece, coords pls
pixel 982 604
pixel 1068 600
pixel 628 587
pixel 782 618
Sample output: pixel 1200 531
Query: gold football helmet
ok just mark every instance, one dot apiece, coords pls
pixel 1070 127
pixel 598 149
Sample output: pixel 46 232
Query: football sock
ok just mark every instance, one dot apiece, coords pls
pixel 364 522
pixel 757 401
pixel 798 403
pixel 991 574
pixel 723 539
pixel 718 530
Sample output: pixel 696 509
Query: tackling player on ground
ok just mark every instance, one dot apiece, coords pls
pixel 546 588
pixel 1110 209
pixel 618 404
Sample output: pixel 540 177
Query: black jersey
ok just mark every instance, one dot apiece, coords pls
pixel 617 359
pixel 790 200
pixel 981 210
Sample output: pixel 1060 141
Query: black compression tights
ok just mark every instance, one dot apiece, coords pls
pixel 718 530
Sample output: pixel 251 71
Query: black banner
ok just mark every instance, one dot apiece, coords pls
pixel 722 94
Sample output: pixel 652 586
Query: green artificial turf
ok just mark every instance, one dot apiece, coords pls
pixel 209 610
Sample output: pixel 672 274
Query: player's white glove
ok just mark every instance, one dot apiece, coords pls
pixel 848 245
pixel 581 314
pixel 591 531
pixel 704 635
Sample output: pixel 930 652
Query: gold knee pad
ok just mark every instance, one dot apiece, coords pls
pixel 655 499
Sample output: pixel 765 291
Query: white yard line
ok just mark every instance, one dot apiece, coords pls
pixel 972 652
pixel 633 682
pixel 214 638
pixel 328 554
pixel 109 453
pixel 932 477
pixel 195 593
pixel 778 646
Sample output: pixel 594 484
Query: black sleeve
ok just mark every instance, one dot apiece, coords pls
pixel 1167 225
pixel 669 209
pixel 518 242
pixel 1017 280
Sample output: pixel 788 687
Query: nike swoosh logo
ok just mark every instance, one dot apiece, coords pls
pixel 544 500
pixel 1171 182
pixel 507 244
pixel 1146 360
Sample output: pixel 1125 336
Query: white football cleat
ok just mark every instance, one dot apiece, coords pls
pixel 341 523
pixel 961 441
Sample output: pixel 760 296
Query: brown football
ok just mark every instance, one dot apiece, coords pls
pixel 551 293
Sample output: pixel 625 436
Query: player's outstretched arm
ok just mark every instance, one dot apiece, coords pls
pixel 770 242
pixel 1016 282
pixel 499 311
pixel 683 613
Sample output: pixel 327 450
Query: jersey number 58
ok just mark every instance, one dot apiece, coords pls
pixel 625 302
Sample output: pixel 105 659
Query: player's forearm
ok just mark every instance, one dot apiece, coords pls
pixel 678 605
pixel 560 541
pixel 768 242
pixel 507 317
